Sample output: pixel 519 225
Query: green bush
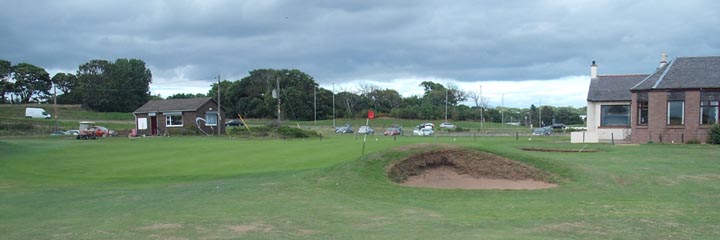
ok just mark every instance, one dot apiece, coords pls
pixel 261 131
pixel 16 126
pixel 714 134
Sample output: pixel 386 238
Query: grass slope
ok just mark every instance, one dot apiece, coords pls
pixel 204 187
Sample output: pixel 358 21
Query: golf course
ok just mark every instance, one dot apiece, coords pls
pixel 325 188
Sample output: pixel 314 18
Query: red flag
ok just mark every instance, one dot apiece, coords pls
pixel 371 114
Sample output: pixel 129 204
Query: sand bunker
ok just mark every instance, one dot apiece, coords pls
pixel 466 169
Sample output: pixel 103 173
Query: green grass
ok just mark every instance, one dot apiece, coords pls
pixel 68 118
pixel 206 187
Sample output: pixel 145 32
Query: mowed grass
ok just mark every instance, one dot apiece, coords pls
pixel 210 187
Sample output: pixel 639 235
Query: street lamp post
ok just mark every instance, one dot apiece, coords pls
pixel 481 108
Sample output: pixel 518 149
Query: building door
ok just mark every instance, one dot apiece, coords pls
pixel 153 125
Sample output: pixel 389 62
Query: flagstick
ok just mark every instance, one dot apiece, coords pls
pixel 367 122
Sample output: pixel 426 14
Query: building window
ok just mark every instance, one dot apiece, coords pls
pixel 643 113
pixel 173 119
pixel 676 113
pixel 615 115
pixel 211 119
pixel 708 112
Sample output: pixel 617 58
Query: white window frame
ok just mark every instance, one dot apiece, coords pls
pixel 712 104
pixel 168 119
pixel 602 116
pixel 682 112
pixel 207 122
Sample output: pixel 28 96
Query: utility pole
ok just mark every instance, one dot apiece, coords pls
pixel 446 104
pixel 482 108
pixel 277 82
pixel 218 110
pixel 333 105
pixel 55 105
pixel 502 111
pixel 540 113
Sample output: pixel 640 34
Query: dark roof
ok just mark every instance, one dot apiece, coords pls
pixel 173 105
pixel 684 73
pixel 606 88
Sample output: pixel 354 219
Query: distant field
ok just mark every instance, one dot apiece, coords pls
pixel 68 118
pixel 70 115
pixel 220 187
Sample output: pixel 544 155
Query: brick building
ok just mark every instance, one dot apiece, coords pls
pixel 678 102
pixel 179 116
pixel 675 104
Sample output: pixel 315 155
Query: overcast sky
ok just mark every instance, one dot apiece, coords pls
pixel 528 51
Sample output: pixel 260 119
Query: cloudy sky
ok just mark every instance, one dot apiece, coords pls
pixel 524 52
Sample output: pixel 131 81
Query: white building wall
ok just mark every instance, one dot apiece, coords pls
pixel 596 134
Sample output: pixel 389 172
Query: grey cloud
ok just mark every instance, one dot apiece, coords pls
pixel 347 40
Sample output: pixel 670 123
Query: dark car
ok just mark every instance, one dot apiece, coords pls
pixel 234 123
pixel 558 126
pixel 543 131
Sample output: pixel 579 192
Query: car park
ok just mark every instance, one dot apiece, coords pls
pixel 365 130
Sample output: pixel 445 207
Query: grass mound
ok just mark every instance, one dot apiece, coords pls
pixel 464 162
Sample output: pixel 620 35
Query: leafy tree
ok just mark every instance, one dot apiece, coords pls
pixel 186 95
pixel 252 96
pixel 114 87
pixel 568 115
pixel 92 82
pixel 5 85
pixel 31 80
pixel 347 104
pixel 67 83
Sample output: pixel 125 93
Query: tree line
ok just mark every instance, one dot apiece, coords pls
pixel 123 86
pixel 301 98
pixel 99 85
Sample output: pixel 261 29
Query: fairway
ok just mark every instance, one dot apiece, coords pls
pixel 225 188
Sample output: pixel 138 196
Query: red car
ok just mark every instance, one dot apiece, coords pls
pixel 393 131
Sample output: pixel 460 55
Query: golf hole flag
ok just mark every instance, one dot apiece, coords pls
pixel 371 114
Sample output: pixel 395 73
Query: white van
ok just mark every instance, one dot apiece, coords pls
pixel 37 113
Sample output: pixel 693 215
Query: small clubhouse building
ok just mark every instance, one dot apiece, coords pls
pixel 675 104
pixel 179 116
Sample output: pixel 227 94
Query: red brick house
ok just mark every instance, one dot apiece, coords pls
pixel 678 102
pixel 179 116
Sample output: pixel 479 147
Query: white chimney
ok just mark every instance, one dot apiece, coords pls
pixel 593 70
pixel 663 59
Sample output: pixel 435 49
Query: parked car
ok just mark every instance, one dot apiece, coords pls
pixel 431 125
pixel 73 132
pixel 543 131
pixel 393 131
pixel 425 131
pixel 234 123
pixel 58 133
pixel 347 128
pixel 447 125
pixel 558 126
pixel 365 130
